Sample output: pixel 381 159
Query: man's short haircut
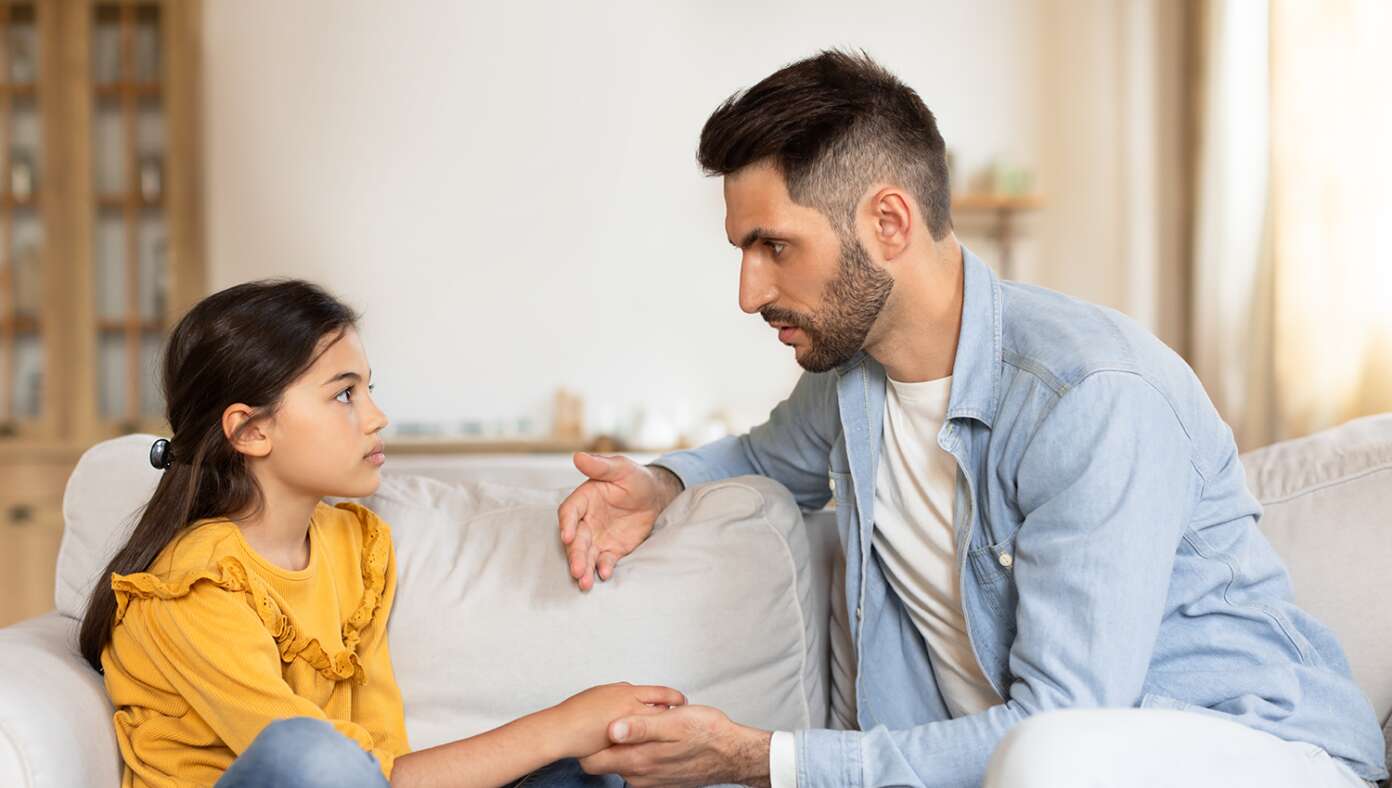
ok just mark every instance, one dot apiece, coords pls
pixel 834 125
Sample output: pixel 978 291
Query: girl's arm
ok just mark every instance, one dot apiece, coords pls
pixel 575 728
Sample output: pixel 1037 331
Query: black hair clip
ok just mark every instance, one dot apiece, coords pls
pixel 160 455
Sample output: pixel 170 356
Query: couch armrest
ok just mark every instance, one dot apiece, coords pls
pixel 55 719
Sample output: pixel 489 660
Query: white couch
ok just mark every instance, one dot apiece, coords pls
pixel 728 601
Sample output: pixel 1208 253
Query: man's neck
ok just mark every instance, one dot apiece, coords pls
pixel 923 318
pixel 279 532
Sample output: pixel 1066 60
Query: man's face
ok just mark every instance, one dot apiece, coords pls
pixel 820 291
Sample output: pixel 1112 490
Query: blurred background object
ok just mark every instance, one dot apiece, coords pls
pixel 508 192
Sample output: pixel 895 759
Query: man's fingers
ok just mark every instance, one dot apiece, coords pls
pixel 657 695
pixel 579 552
pixel 571 511
pixel 643 729
pixel 598 467
pixel 606 563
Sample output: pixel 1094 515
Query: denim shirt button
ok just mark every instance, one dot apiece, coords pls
pixel 1006 560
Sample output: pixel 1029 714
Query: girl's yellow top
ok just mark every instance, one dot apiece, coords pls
pixel 214 642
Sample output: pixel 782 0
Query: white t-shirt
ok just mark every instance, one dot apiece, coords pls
pixel 915 539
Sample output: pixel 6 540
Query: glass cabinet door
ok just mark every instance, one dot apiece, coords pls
pixel 22 360
pixel 129 237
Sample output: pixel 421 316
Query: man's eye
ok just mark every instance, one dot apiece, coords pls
pixel 345 396
pixel 776 248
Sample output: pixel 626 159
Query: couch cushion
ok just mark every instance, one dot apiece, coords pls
pixel 727 601
pixel 488 625
pixel 105 493
pixel 1327 502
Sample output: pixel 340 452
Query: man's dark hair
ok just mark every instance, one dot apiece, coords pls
pixel 833 125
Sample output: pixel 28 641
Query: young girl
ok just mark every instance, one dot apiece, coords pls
pixel 242 629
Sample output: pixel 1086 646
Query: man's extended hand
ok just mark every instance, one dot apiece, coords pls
pixel 611 513
pixel 687 745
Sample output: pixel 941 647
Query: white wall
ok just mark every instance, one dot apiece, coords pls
pixel 509 192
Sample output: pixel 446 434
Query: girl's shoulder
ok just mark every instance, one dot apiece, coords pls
pixel 353 523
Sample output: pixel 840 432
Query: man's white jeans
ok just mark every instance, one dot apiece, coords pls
pixel 1148 748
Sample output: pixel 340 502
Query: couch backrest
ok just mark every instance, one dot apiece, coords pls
pixel 727 601
pixel 1328 512
pixel 1327 500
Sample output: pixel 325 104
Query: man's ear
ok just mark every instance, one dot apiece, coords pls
pixel 244 431
pixel 891 221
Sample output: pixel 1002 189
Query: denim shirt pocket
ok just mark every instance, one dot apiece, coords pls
pixel 991 566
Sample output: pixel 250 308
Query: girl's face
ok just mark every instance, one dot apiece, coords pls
pixel 324 436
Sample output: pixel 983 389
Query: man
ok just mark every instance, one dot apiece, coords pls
pixel 1051 551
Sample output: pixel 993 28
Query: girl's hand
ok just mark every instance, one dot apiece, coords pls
pixel 581 722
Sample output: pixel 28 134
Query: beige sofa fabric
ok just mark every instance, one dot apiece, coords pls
pixel 488 625
pixel 727 601
pixel 1327 503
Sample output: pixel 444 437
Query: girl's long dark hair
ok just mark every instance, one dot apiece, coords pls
pixel 245 344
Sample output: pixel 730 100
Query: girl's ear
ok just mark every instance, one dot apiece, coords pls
pixel 244 432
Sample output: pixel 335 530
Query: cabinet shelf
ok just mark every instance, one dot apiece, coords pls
pixel 127 88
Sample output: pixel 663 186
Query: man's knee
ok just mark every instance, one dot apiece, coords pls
pixel 1052 750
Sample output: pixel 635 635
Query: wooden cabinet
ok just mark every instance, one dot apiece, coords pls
pixel 101 245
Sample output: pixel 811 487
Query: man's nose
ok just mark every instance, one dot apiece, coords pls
pixel 756 288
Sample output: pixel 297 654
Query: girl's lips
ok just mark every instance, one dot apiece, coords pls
pixel 377 458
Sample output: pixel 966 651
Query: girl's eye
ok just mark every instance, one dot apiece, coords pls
pixel 345 396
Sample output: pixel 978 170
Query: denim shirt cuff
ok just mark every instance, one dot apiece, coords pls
pixel 689 468
pixel 829 759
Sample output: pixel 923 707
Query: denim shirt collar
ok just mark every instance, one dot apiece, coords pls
pixel 975 371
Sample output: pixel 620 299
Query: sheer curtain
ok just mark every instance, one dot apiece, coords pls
pixel 1331 179
pixel 1292 247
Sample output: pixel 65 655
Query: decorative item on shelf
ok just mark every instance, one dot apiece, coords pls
pixel 26 280
pixel 106 47
pixel 21 177
pixel 21 56
pixel 567 416
pixel 606 444
pixel 27 405
pixel 1012 180
pixel 715 427
pixel 651 430
pixel 151 179
pixel 160 278
pixel 147 51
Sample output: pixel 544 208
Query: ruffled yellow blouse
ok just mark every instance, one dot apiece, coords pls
pixel 214 642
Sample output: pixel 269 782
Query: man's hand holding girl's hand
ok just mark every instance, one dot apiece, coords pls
pixel 581 722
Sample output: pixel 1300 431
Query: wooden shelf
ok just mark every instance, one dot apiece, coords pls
pixel 120 326
pixel 20 89
pixel 999 213
pixel 127 88
pixel 973 203
pixel 119 202
pixel 19 324
pixel 9 203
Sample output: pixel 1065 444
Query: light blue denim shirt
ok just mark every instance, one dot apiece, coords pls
pixel 1107 541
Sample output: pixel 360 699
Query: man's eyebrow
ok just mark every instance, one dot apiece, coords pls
pixel 353 376
pixel 752 237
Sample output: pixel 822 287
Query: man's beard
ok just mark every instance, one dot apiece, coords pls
pixel 850 304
